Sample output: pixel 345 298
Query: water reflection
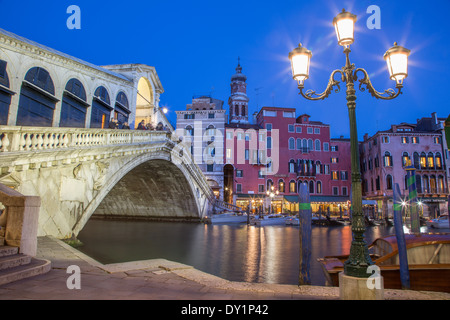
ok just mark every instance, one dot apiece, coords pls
pixel 267 254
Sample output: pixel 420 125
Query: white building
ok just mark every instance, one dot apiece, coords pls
pixel 202 127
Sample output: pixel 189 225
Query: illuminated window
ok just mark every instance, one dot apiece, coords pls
pixel 334 175
pixel 438 161
pixel 292 186
pixel 430 160
pixel 387 159
pixel 423 160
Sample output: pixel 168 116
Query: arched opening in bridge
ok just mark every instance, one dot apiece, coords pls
pixel 156 189
pixel 5 94
pixel 144 102
pixel 101 108
pixel 74 105
pixel 37 99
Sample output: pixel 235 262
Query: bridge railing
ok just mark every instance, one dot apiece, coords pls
pixel 13 138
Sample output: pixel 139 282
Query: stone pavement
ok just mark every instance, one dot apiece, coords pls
pixel 157 279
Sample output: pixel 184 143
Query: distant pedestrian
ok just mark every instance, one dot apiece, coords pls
pixel 113 124
pixel 126 125
pixel 141 125
pixel 160 127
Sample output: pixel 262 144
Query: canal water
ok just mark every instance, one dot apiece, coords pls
pixel 268 254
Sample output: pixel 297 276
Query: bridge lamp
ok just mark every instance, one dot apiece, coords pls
pixel 344 24
pixel 300 59
pixel 397 63
pixel 165 110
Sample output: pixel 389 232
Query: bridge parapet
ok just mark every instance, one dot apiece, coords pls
pixel 13 139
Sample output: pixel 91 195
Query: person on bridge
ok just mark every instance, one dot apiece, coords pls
pixel 141 125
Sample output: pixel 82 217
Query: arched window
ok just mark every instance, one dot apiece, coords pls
pixel 387 159
pixel 291 144
pixel 426 184
pixel 416 160
pixel 438 160
pixel 318 167
pixel 430 160
pixel 243 111
pixel 305 145
pixel 37 99
pixel 74 105
pixel 101 109
pixel 405 159
pixel 281 186
pixel 299 144
pixel 210 130
pixel 299 183
pixel 311 186
pixel 269 185
pixel 121 109
pixel 310 145
pixel 423 160
pixel 317 142
pixel 319 187
pixel 5 94
pixel 419 184
pixel 189 131
pixel 389 182
pixel 292 187
pixel 433 184
pixel 441 185
pixel 236 110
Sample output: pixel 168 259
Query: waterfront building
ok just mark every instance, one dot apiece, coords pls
pixel 42 87
pixel 273 149
pixel 385 155
pixel 202 126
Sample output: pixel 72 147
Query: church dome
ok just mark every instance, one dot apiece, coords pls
pixel 239 76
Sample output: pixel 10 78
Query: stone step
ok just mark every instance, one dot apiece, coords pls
pixel 8 251
pixel 34 268
pixel 16 260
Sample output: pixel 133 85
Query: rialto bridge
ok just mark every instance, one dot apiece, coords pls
pixel 81 172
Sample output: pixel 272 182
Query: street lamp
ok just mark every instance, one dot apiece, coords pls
pixel 397 61
pixel 271 194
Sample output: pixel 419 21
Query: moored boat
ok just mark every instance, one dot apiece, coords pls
pixel 439 223
pixel 428 262
pixel 227 218
pixel 270 220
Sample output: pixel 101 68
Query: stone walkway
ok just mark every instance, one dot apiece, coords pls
pixel 157 279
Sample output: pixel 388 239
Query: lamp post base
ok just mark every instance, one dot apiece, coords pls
pixel 354 288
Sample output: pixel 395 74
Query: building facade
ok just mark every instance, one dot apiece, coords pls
pixel 40 86
pixel 202 128
pixel 386 154
pixel 274 150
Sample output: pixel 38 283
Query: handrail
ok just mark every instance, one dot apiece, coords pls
pixel 16 139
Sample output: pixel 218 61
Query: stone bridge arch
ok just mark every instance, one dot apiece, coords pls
pixel 149 187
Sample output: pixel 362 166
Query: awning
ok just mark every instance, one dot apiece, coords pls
pixel 370 202
pixel 316 199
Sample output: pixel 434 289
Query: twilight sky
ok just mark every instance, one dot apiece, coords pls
pixel 194 46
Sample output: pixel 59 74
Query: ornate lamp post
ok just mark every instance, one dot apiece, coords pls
pixel 397 62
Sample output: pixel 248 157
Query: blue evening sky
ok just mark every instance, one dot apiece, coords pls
pixel 194 46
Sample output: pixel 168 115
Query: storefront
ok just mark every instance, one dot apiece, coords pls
pixel 334 205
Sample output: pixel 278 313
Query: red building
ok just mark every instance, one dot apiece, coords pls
pixel 279 152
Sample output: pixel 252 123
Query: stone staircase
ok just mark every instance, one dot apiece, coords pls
pixel 16 266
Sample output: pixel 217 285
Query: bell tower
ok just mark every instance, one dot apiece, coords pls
pixel 238 100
